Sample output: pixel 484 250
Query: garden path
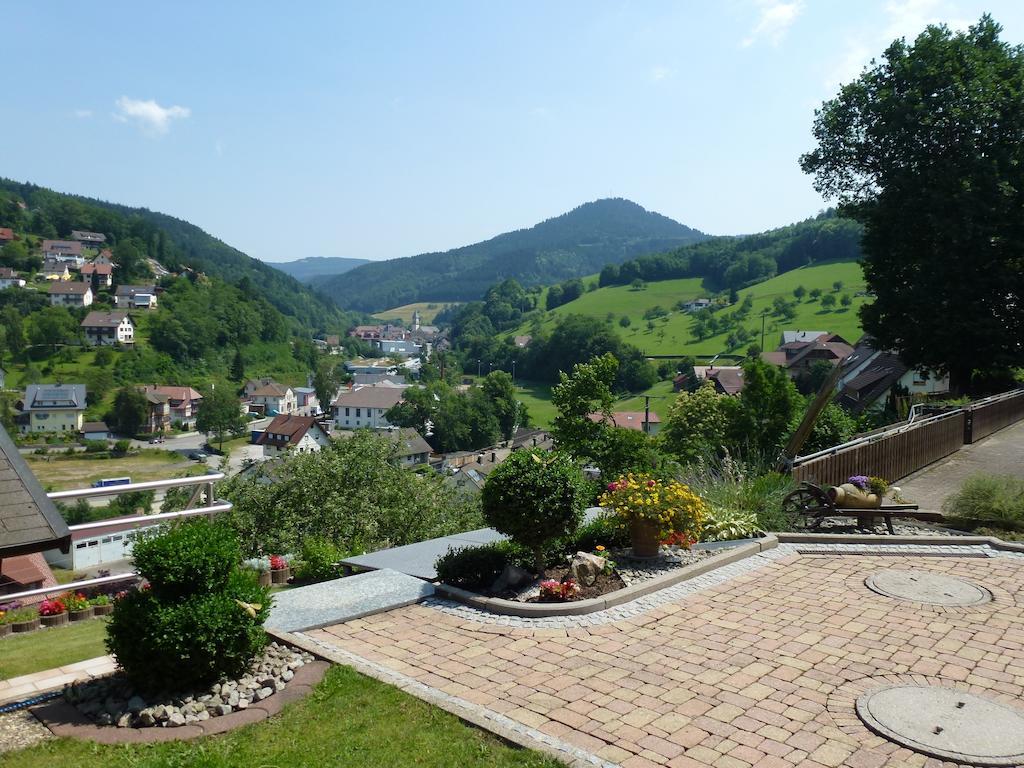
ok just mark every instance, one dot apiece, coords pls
pixel 998 454
pixel 25 686
pixel 758 666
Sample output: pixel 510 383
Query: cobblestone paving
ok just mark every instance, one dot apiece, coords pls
pixel 731 672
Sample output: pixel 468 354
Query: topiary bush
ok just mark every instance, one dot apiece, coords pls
pixel 473 567
pixel 318 560
pixel 200 617
pixel 534 497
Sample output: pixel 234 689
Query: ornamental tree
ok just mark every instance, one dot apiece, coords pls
pixel 924 149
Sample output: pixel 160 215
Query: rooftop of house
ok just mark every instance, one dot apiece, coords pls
pixel 271 389
pixel 97 269
pixel 52 265
pixel 23 570
pixel 175 393
pixel 88 237
pixel 29 521
pixel 790 336
pixel 131 290
pixel 288 429
pixel 522 341
pixel 68 288
pixel 95 426
pixel 7 273
pixel 99 319
pixel 729 381
pixel 65 247
pixel 370 379
pixel 6 233
pixel 370 397
pixel 50 396
pixel 410 443
pixel 872 383
pixel 627 419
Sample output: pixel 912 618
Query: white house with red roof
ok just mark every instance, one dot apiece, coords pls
pixel 289 433
pixel 274 398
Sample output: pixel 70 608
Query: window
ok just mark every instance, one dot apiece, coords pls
pixel 106 539
pixel 358 412
pixel 93 543
pixel 80 546
pixel 346 411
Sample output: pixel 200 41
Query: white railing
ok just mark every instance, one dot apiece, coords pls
pixel 212 507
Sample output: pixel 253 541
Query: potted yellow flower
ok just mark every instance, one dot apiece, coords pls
pixel 654 509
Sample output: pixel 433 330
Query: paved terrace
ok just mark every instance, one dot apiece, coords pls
pixel 756 664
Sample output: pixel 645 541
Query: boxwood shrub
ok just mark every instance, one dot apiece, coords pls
pixel 200 617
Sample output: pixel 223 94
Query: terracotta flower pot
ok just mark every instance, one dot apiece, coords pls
pixel 82 615
pixel 5 629
pixel 280 576
pixel 644 536
pixel 25 626
pixel 56 620
pixel 264 578
pixel 103 610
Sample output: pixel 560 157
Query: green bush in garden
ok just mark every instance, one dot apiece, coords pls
pixel 201 616
pixel 534 497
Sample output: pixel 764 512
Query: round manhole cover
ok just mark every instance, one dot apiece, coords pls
pixel 926 587
pixel 946 723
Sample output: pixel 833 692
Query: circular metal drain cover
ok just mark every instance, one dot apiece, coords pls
pixel 926 587
pixel 946 723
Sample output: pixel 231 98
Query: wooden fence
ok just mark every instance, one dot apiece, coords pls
pixel 892 456
pixel 991 415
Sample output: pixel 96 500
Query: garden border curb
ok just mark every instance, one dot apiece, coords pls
pixel 467 712
pixel 63 719
pixel 865 538
pixel 497 605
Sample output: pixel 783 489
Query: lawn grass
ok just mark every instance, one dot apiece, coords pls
pixel 348 720
pixel 428 311
pixel 661 395
pixel 672 335
pixel 60 473
pixel 536 396
pixel 52 647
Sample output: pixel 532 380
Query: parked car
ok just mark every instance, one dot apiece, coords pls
pixel 156 440
pixel 198 456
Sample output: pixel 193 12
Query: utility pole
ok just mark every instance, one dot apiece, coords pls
pixel 647 414
pixel 764 314
pixel 513 373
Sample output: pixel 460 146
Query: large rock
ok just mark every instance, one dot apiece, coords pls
pixel 586 567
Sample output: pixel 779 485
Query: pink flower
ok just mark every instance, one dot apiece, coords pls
pixel 613 486
pixel 650 483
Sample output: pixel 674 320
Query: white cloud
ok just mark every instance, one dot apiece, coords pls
pixel 776 17
pixel 660 73
pixel 83 114
pixel 148 114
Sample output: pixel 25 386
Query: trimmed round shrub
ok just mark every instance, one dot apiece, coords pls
pixel 472 567
pixel 534 497
pixel 199 619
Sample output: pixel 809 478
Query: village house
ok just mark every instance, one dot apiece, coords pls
pixel 89 239
pixel 364 407
pixel 158 416
pixel 289 433
pixel 726 379
pixel 870 376
pixel 696 305
pixel 70 294
pixel 6 236
pixel 95 430
pixel 108 328
pixel 306 401
pixel 95 548
pixel 53 408
pixel 371 366
pixel 522 342
pixel 98 275
pixel 637 420
pixel 378 380
pixel 385 331
pixel 135 297
pixel 55 270
pixel 68 251
pixel 10 279
pixel 274 398
pixel 802 350
pixel 25 572
pixel 410 447
pixel 182 402
pixel 253 384
pixel 105 257
pixel 397 347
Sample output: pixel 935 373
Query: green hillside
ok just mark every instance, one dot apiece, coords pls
pixel 672 334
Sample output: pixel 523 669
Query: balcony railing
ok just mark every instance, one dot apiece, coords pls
pixel 204 487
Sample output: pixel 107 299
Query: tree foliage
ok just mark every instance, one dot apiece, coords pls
pixel 220 413
pixel 924 148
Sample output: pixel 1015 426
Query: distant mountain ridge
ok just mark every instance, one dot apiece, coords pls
pixel 310 268
pixel 577 243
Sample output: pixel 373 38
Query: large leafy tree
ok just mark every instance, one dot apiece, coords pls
pixel 220 412
pixel 588 390
pixel 925 149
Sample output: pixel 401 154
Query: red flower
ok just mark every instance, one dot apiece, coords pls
pixel 613 486
pixel 277 563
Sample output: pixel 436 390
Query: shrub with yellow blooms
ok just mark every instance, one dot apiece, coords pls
pixel 668 504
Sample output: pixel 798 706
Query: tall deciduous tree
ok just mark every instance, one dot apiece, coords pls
pixel 924 148
pixel 588 390
pixel 130 410
pixel 220 413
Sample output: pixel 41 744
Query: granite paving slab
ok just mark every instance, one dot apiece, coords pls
pixel 418 559
pixel 340 600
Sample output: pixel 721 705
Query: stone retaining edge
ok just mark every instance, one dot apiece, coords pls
pixel 427 694
pixel 627 594
pixel 865 538
pixel 63 719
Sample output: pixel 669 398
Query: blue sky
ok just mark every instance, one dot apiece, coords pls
pixel 382 130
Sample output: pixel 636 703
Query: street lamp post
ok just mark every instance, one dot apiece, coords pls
pixel 513 372
pixel 478 369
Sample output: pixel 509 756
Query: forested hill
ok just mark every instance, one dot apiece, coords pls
pixel 173 242
pixel 734 262
pixel 576 243
pixel 314 267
